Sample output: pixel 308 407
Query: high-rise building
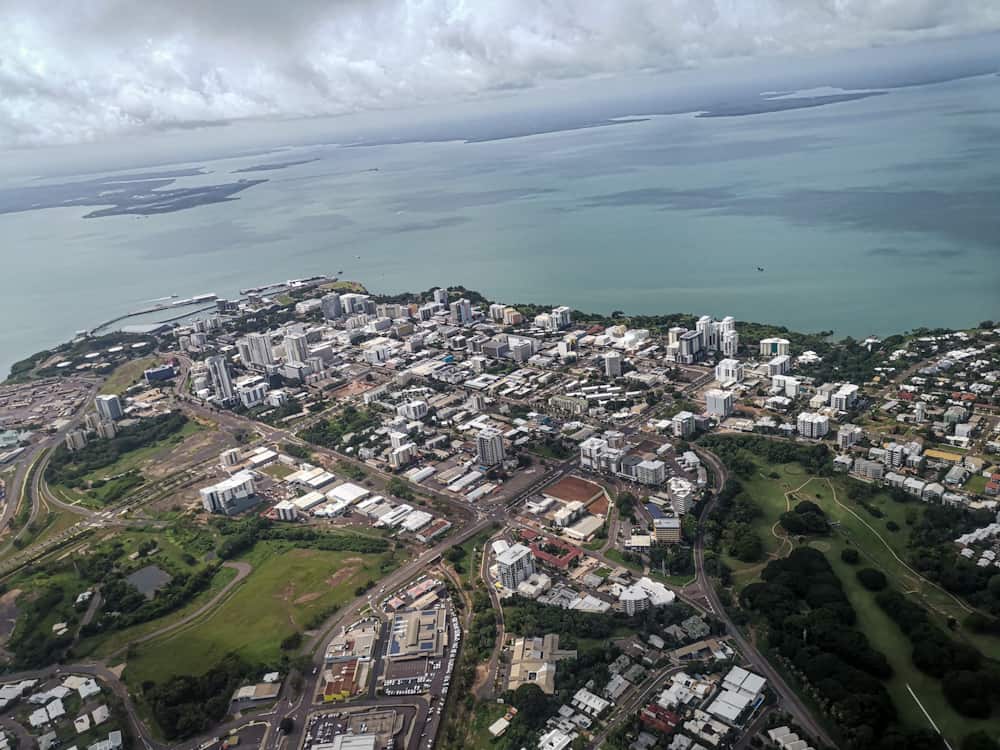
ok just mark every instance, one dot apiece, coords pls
pixel 75 440
pixel 719 403
pixel 489 447
pixel 514 565
pixel 729 371
pixel 296 347
pixel 496 312
pixel 106 429
pixel 441 296
pixel 920 411
pixel 730 343
pixel 848 435
pixel 561 317
pixel 331 306
pixel 812 425
pixel 229 496
pixel 460 312
pixel 259 348
pixel 613 365
pixel 773 346
pixel 222 384
pixel 109 407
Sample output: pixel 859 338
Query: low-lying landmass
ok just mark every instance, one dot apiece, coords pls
pixel 329 518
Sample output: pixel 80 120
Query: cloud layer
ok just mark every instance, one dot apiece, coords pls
pixel 72 71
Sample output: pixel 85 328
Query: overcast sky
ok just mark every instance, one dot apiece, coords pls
pixel 75 71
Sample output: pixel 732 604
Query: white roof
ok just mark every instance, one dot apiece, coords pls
pixel 349 492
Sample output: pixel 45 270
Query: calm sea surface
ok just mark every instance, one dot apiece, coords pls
pixel 869 216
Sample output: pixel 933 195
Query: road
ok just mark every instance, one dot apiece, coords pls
pixel 789 700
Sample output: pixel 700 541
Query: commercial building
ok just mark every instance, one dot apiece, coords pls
pixel 667 530
pixel 718 403
pixel 412 409
pixel 232 495
pixel 421 634
pixel 489 447
pixel 296 347
pixel 514 565
pixel 222 384
pixel 331 306
pixel 533 660
pixel 109 407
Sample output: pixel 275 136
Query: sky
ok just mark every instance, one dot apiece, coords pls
pixel 73 72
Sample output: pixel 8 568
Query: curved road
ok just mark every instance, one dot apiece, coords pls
pixel 761 665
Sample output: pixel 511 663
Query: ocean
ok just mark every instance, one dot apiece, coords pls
pixel 873 215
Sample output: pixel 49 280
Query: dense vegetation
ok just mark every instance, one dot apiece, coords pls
pixel 330 433
pixel 69 468
pixel 187 705
pixel 729 527
pixel 810 625
pixel 34 645
pixel 805 518
pixel 734 450
pixel 970 684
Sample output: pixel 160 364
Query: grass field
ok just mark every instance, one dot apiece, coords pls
pixel 104 645
pixel 133 460
pixel 127 374
pixel 287 587
pixel 616 555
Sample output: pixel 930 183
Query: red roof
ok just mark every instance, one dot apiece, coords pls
pixel 660 718
pixel 569 552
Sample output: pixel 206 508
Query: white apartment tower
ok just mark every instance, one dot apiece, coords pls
pixel 812 425
pixel 613 365
pixel 515 565
pixel 719 403
pixel 489 447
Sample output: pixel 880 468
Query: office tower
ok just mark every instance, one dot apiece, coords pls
pixel 461 312
pixel 109 407
pixel 331 306
pixel 441 296
pixel 561 317
pixel 296 347
pixel 489 447
pixel 259 346
pixel 222 384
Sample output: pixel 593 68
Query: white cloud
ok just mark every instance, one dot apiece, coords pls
pixel 72 71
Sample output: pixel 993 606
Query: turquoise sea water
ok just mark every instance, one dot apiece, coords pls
pixel 869 216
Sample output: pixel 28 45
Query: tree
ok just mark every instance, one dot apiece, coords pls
pixel 850 556
pixel 979 741
pixel 871 579
pixel 286 725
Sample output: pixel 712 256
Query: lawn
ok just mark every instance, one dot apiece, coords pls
pixel 976 484
pixel 126 374
pixel 287 588
pixel 278 470
pixel 616 555
pixel 468 566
